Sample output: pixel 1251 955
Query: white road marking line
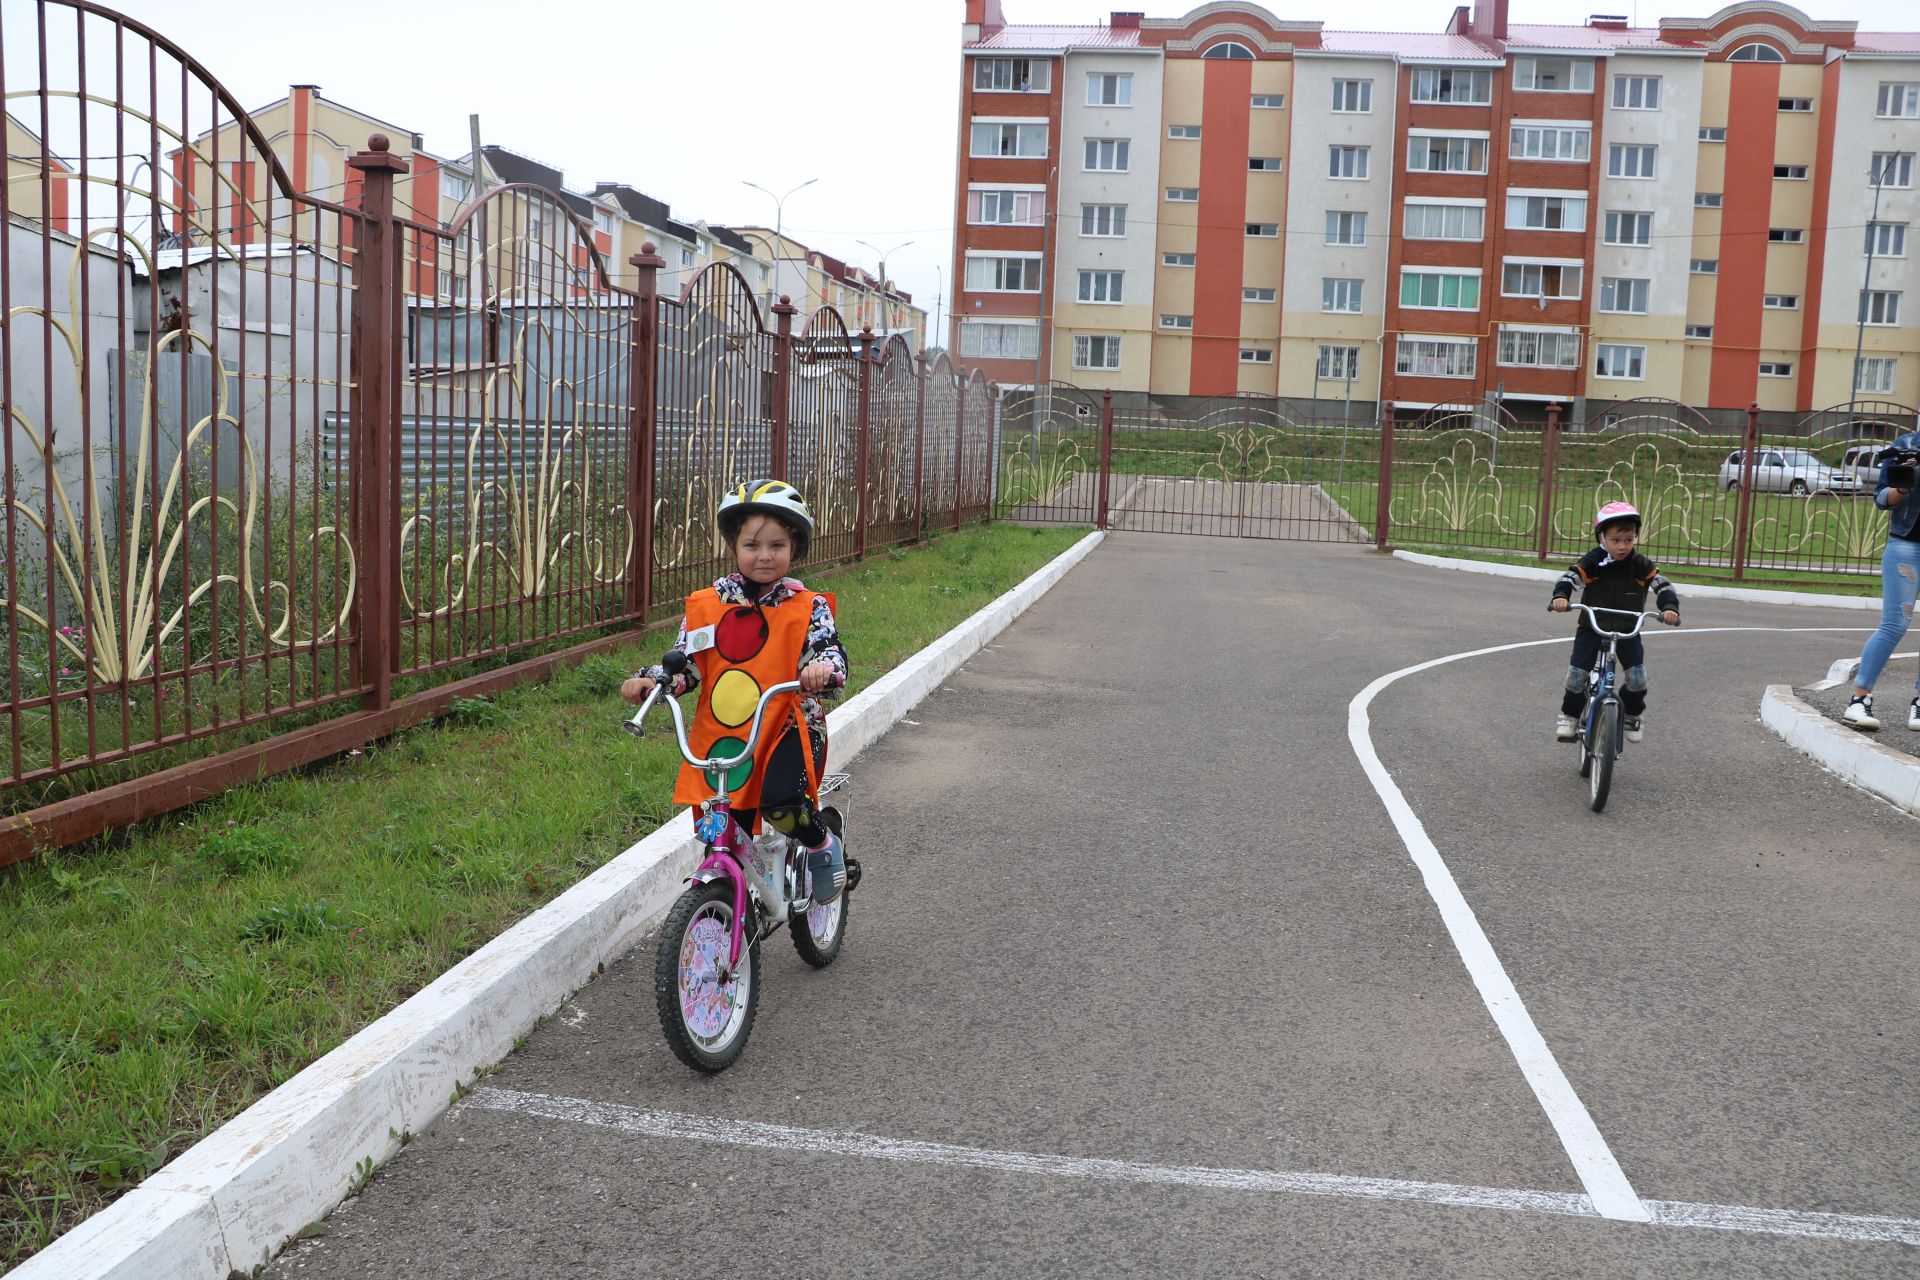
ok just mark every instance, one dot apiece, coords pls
pixel 1857 1228
pixel 1606 1183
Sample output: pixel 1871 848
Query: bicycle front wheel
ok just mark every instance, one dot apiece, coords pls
pixel 705 1012
pixel 1606 749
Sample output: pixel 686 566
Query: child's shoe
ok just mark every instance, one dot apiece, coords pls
pixel 1859 713
pixel 1913 716
pixel 826 868
pixel 1564 729
pixel 1635 727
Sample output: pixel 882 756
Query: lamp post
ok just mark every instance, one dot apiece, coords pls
pixel 939 296
pixel 883 275
pixel 779 241
pixel 1874 176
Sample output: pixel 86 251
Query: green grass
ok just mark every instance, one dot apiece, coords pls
pixel 1704 575
pixel 153 985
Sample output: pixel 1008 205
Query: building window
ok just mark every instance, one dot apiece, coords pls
pixel 1553 75
pixel 1001 138
pixel 1887 239
pixel 1229 51
pixel 1341 363
pixel 1109 89
pixel 1796 104
pixel 1445 221
pixel 1636 93
pixel 1549 142
pixel 1177 259
pixel 1775 369
pixel 1436 357
pixel 1899 101
pixel 1256 355
pixel 1263 164
pixel 1629 161
pixel 1879 306
pixel 1103 220
pixel 1791 172
pixel 454 187
pixel 1269 101
pixel 1780 301
pixel 1892 169
pixel 1106 155
pixel 1452 84
pixel 1624 296
pixel 1006 208
pixel 1346 162
pixel 1183 131
pixel 1012 75
pixel 1713 133
pixel 1340 295
pixel 1003 275
pixel 1704 266
pixel 1353 97
pixel 686 257
pixel 1256 293
pixel 1183 195
pixel 1546 213
pixel 1701 332
pixel 1707 199
pixel 1756 52
pixel 1100 286
pixel 1619 360
pixel 1096 351
pixel 1629 228
pixel 999 341
pixel 1549 280
pixel 1263 230
pixel 1785 235
pixel 1530 348
pixel 1346 228
pixel 1429 154
pixel 1176 322
pixel 1875 373
pixel 1440 290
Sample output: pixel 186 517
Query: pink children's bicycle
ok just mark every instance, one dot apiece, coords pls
pixel 706 975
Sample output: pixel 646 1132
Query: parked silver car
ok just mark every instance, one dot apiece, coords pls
pixel 1787 471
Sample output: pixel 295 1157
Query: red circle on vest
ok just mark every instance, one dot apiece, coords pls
pixel 741 634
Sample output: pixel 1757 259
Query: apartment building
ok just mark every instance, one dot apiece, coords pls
pixel 1576 214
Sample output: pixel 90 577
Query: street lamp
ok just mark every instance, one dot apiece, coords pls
pixel 1874 175
pixel 779 241
pixel 883 276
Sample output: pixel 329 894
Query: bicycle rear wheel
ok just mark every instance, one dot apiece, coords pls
pixel 706 1018
pixel 1606 749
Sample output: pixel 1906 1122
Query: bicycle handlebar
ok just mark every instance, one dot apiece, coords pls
pixel 637 725
pixel 1639 618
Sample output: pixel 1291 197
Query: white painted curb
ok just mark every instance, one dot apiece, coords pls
pixel 1748 595
pixel 1892 775
pixel 235 1198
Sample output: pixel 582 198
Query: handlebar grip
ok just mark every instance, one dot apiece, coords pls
pixel 673 662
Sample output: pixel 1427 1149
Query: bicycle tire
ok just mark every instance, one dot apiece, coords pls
pixel 1606 749
pixel 706 1023
pixel 819 934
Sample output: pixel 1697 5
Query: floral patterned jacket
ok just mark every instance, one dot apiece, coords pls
pixel 823 644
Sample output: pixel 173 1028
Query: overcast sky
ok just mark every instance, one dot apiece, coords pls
pixel 685 100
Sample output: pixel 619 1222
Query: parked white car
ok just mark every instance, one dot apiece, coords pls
pixel 1787 471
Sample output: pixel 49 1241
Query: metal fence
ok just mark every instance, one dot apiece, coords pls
pixel 268 452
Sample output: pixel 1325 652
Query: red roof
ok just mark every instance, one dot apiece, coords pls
pixel 1887 41
pixel 1408 44
pixel 1059 37
pixel 1536 35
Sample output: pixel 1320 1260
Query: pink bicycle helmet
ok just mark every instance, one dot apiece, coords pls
pixel 1612 513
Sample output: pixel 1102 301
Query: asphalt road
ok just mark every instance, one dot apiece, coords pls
pixel 1144 980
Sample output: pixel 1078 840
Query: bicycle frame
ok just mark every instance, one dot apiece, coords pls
pixel 1605 662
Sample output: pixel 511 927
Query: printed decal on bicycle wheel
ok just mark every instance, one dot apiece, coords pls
pixel 705 1001
pixel 737 777
pixel 735 695
pixel 740 635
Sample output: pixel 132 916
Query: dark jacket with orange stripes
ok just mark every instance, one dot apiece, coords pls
pixel 1606 583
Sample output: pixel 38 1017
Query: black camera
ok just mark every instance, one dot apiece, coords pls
pixel 1901 470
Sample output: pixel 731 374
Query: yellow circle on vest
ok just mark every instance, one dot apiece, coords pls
pixel 735 695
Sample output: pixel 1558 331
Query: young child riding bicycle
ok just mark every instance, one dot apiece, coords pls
pixel 1611 576
pixel 752 629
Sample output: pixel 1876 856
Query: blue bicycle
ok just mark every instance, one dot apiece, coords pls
pixel 1602 723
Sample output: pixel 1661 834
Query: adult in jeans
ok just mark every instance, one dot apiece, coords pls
pixel 1899 580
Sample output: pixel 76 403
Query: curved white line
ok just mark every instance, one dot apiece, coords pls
pixel 1607 1186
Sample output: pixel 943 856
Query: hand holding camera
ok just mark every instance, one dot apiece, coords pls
pixel 1902 471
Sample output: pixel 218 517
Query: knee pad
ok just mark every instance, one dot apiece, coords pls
pixel 1637 679
pixel 783 818
pixel 1576 679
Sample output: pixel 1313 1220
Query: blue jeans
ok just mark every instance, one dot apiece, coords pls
pixel 1899 579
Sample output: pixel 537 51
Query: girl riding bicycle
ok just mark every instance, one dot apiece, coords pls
pixel 1611 576
pixel 752 629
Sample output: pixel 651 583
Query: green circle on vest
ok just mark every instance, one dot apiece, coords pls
pixel 738 776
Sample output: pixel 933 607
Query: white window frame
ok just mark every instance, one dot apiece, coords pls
pixel 1637 289
pixel 1337 156
pixel 1786 235
pixel 1570 200
pixel 1892 237
pixel 1796 106
pixel 1027 347
pixel 1000 273
pixel 1178 260
pixel 1880 308
pixel 1633 354
pixel 1113 216
pixel 1713 133
pixel 1408 353
pixel 1703 266
pixel 1102 288
pixel 1885 370
pixel 1632 161
pixel 1256 355
pixel 1176 322
pixel 1578 73
pixel 1420 146
pixel 1520 346
pixel 1009 196
pixel 1353 97
pixel 1779 302
pixel 1776 368
pixel 1269 101
pixel 1265 164
pixel 1790 173
pixel 1442 86
pixel 1569 271
pixel 1337 363
pixel 1109 149
pixel 1898 100
pixel 1616 220
pixel 1178 132
pixel 1346 226
pixel 1183 195
pixel 1441 275
pixel 1473 214
pixel 1335 290
pixel 1083 351
pixel 1709 200
pixel 1259 295
pixel 1636 93
pixel 1023 128
pixel 1755 51
pixel 1895 169
pixel 1118 83
pixel 1263 230
pixel 1699 333
pixel 1042 83
pixel 1550 141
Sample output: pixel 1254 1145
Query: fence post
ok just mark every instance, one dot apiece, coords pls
pixel 644 423
pixel 783 313
pixel 1384 505
pixel 959 444
pixel 1743 519
pixel 925 372
pixel 1106 458
pixel 374 361
pixel 1549 459
pixel 863 441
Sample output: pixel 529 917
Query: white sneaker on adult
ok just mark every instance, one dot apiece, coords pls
pixel 1913 716
pixel 1564 729
pixel 1859 713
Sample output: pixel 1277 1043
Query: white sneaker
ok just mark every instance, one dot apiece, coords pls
pixel 1636 728
pixel 1564 729
pixel 1859 713
pixel 1913 716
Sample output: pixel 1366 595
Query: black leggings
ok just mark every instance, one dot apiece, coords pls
pixel 1630 655
pixel 785 800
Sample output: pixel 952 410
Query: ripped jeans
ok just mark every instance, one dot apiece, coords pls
pixel 1899 577
pixel 1632 656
